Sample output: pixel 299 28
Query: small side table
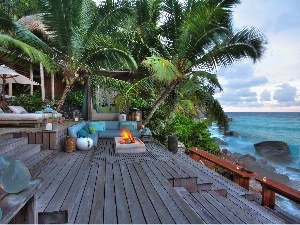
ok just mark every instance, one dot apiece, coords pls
pixel 70 144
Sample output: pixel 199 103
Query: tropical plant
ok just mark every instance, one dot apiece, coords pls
pixel 194 40
pixel 79 39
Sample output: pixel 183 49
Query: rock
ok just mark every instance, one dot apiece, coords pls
pixel 231 134
pixel 219 141
pixel 245 160
pixel 273 149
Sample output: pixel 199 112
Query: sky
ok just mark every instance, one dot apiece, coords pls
pixel 273 83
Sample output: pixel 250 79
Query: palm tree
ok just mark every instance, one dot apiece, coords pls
pixel 197 38
pixel 79 38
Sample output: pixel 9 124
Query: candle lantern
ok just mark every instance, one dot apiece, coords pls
pixel 135 115
pixel 76 115
pixel 48 118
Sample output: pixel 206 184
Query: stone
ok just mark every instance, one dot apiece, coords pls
pixel 219 141
pixel 232 134
pixel 16 177
pixel 273 149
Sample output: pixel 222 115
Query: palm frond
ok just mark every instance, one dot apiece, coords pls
pixel 20 52
pixel 162 69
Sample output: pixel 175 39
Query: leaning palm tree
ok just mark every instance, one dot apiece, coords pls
pixel 79 39
pixel 198 37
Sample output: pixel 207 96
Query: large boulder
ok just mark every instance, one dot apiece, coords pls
pixel 273 149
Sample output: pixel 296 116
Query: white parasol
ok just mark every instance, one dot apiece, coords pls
pixel 8 75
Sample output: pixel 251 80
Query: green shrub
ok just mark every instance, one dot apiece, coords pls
pixel 74 98
pixel 190 132
pixel 29 102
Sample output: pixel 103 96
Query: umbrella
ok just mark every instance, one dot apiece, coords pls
pixel 8 75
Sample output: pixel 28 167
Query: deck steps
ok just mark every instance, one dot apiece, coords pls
pixel 23 152
pixel 213 208
pixel 11 144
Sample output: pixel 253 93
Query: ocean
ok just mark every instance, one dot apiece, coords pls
pixel 254 127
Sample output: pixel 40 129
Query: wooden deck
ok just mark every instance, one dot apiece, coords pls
pixel 160 187
pixel 98 186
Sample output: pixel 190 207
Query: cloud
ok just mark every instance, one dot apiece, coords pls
pixel 285 93
pixel 265 96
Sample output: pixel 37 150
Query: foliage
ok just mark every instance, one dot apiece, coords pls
pixel 191 133
pixel 29 102
pixel 75 98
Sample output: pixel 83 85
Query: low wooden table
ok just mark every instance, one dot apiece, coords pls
pixel 21 207
pixel 137 147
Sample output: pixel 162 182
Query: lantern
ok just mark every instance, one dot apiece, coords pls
pixel 76 115
pixel 48 118
pixel 135 115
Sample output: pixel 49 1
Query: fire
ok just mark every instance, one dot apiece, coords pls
pixel 127 137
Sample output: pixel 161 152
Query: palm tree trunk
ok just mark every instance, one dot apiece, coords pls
pixel 66 91
pixel 161 99
pixel 42 75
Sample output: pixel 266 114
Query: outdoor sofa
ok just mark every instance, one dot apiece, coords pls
pixel 103 129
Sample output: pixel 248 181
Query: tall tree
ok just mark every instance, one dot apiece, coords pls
pixel 197 38
pixel 79 39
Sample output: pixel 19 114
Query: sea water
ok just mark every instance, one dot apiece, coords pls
pixel 254 127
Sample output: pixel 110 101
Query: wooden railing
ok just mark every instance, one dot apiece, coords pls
pixel 270 187
pixel 241 176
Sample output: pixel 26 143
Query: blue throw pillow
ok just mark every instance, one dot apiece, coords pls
pixel 86 128
pixel 99 125
pixel 82 133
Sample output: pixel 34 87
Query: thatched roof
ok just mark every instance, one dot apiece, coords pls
pixel 34 24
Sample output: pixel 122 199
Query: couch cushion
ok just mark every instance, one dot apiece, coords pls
pixel 82 133
pixel 86 128
pixel 112 125
pixel 99 125
pixel 129 125
pixel 94 138
pixel 16 109
pixel 72 130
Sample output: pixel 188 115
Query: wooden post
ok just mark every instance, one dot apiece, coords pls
pixel 268 196
pixel 31 77
pixel 173 143
pixel 52 87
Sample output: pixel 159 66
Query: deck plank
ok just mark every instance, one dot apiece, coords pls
pixel 123 212
pixel 83 214
pixel 96 215
pixel 146 204
pixel 180 211
pixel 133 203
pixel 160 207
pixel 110 208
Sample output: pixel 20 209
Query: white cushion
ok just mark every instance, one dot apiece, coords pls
pixel 17 109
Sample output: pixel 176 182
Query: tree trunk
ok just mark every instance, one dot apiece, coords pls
pixel 31 77
pixel 65 93
pixel 161 99
pixel 42 81
pixel 52 87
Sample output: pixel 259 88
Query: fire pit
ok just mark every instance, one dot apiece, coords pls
pixel 129 144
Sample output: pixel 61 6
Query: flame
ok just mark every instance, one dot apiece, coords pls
pixel 127 136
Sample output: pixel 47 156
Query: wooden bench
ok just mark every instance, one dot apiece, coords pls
pixel 20 208
pixel 241 176
pixel 270 187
